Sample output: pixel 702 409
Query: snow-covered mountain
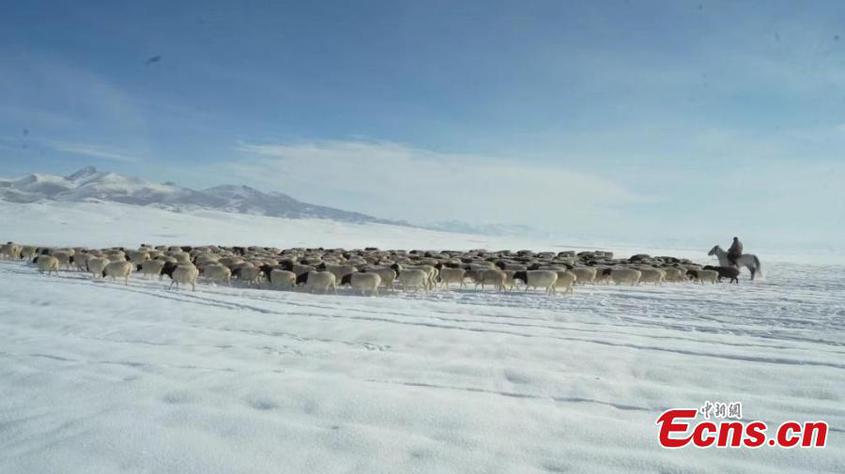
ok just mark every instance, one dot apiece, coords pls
pixel 89 184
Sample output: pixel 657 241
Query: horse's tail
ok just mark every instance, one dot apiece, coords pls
pixel 757 266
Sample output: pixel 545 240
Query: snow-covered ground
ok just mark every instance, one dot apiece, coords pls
pixel 100 224
pixel 102 377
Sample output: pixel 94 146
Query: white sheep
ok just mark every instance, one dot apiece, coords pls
pixel 413 278
pixel 602 275
pixel 116 255
pixel 545 279
pixel 80 261
pixel 652 275
pixel 64 257
pixel 231 261
pixel 302 269
pixel 490 276
pixel 566 280
pixel 116 270
pixel 624 275
pixel 47 263
pixel 151 268
pixel 185 274
pixel 430 271
pixel 96 265
pixel 387 275
pixel 363 282
pixel 249 274
pixel 673 274
pixel 28 252
pixel 138 258
pixel 703 276
pixel 339 271
pixel 318 281
pixel 217 273
pixel 205 259
pixel 282 278
pixel 10 251
pixel 584 275
pixel 452 275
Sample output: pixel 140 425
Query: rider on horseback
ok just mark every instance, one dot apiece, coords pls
pixel 735 251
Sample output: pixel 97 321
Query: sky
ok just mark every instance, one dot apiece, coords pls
pixel 684 121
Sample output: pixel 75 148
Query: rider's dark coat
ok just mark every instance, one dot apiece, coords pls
pixel 735 251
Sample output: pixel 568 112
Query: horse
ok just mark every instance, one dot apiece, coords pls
pixel 747 260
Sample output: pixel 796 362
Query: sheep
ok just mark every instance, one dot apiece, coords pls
pixel 431 273
pixel 230 261
pixel 10 251
pixel 249 274
pixel 673 274
pixel 150 268
pixel 566 280
pixel 623 275
pixel 495 277
pixel 302 269
pixel 47 263
pixel 185 274
pixel 205 259
pixel 452 275
pixel 28 252
pixel 116 256
pixel 363 281
pixel 339 271
pixel 96 265
pixel 387 275
pixel 545 279
pixel 725 272
pixel 702 276
pixel 168 269
pixel 602 275
pixel 65 257
pixel 413 278
pixel 182 258
pixel 80 260
pixel 138 258
pixel 217 273
pixel 652 275
pixel 484 267
pixel 116 270
pixel 584 275
pixel 282 278
pixel 317 280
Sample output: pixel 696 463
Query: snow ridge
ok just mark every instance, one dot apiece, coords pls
pixel 91 185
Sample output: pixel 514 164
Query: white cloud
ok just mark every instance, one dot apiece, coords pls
pixel 402 182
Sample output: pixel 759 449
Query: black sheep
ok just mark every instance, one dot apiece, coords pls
pixel 302 278
pixel 266 270
pixel 726 272
pixel 168 269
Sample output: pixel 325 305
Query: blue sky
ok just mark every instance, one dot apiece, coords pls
pixel 675 120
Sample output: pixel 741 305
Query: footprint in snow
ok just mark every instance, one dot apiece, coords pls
pixel 263 404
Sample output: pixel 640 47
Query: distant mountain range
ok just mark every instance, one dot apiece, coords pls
pixel 89 184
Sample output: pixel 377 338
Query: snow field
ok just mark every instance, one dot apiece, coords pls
pixel 100 377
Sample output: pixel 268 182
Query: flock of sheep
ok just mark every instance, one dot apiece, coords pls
pixel 367 270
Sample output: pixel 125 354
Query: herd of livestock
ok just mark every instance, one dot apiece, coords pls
pixel 367 270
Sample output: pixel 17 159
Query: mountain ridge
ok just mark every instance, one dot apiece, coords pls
pixel 90 184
